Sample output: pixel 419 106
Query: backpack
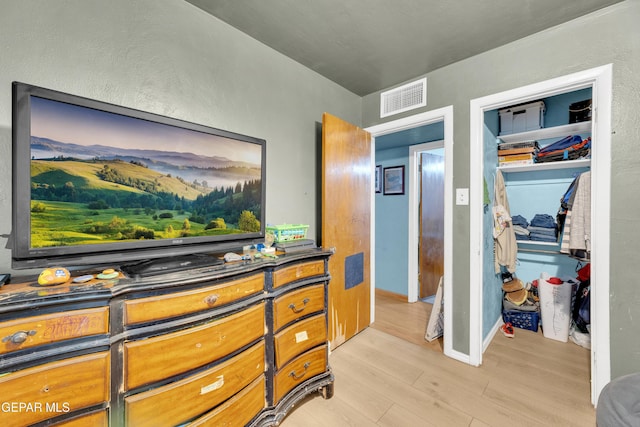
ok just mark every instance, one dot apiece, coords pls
pixel 581 313
pixel 582 307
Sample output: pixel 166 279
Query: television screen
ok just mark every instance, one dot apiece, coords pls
pixel 97 183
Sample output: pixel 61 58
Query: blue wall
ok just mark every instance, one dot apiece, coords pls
pixel 530 193
pixel 392 211
pixel 491 282
pixel 392 229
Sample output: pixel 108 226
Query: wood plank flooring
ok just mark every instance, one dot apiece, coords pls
pixel 407 321
pixel 388 375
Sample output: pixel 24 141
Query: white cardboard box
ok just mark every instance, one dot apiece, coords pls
pixel 522 118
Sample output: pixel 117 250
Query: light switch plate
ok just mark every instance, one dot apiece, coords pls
pixel 462 196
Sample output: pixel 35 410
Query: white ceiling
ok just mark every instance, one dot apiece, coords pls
pixel 370 45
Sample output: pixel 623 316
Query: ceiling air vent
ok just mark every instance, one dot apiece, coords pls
pixel 404 98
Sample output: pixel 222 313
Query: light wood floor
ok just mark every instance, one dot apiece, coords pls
pixel 388 375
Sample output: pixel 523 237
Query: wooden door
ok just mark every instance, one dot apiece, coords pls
pixel 346 208
pixel 431 251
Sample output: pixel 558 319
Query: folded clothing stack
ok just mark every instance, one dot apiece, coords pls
pixel 543 228
pixel 520 227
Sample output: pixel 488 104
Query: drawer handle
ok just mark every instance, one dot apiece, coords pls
pixel 211 299
pixel 298 310
pixel 19 337
pixel 296 376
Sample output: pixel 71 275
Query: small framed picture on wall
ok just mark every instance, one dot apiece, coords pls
pixel 378 178
pixel 394 180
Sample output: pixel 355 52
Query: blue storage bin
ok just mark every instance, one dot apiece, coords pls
pixel 522 319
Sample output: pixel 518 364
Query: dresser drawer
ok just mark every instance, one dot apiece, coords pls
pixel 94 419
pixel 238 410
pixel 303 367
pixel 300 337
pixel 161 357
pixel 297 272
pixel 165 306
pixel 49 328
pixel 45 391
pixel 296 304
pixel 197 394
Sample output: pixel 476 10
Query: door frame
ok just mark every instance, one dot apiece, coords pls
pixel 445 115
pixel 600 80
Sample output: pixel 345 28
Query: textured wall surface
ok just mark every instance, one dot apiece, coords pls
pixel 171 58
pixel 608 36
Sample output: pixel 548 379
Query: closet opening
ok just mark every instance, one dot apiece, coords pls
pixel 533 187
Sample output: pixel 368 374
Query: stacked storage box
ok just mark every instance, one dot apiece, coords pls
pixel 522 118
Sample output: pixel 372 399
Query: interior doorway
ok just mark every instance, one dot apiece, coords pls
pixel 444 115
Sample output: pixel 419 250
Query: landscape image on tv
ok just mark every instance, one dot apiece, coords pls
pixel 99 177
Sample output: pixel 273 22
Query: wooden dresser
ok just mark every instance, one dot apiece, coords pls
pixel 235 344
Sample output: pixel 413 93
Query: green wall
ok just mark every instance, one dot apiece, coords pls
pixel 611 35
pixel 171 58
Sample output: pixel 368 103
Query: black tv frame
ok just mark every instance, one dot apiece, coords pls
pixel 107 254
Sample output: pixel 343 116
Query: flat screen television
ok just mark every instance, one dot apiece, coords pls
pixel 100 184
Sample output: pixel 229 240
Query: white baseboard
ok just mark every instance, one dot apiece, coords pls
pixel 492 333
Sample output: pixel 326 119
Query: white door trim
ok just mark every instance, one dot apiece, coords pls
pixel 445 115
pixel 600 80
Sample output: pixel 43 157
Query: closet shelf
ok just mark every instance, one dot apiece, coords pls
pixel 552 132
pixel 539 247
pixel 542 251
pixel 564 164
pixel 539 243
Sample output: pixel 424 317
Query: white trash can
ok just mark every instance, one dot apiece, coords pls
pixel 555 307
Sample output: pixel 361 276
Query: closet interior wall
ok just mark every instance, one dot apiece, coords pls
pixel 532 191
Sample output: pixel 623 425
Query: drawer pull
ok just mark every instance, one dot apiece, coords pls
pixel 19 337
pixel 295 376
pixel 211 299
pixel 293 307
